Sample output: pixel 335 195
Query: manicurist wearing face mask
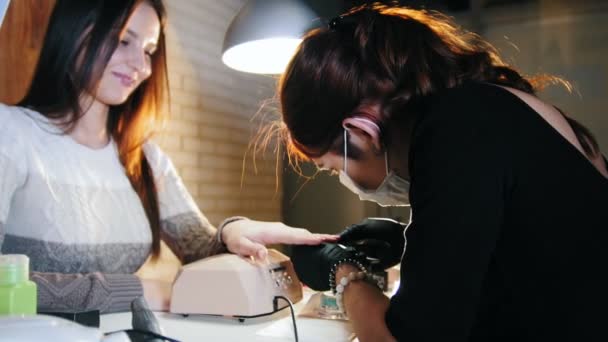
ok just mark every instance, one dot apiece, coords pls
pixel 507 240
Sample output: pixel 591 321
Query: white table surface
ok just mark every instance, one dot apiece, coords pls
pixel 274 328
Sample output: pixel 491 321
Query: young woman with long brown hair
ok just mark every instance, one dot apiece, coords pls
pixel 507 240
pixel 83 191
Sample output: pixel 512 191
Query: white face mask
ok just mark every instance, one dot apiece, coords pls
pixel 393 191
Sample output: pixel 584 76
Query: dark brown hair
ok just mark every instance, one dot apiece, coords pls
pixel 393 55
pixel 80 40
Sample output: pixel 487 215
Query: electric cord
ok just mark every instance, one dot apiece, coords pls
pixel 293 316
pixel 146 335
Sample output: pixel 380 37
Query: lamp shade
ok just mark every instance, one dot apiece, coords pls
pixel 264 35
pixel 3 8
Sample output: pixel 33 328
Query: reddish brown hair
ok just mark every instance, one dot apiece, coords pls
pixel 89 31
pixel 392 55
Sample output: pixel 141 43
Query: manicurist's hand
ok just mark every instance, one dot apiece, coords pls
pixel 313 264
pixel 381 238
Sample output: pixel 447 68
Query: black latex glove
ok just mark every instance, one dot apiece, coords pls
pixel 378 238
pixel 313 263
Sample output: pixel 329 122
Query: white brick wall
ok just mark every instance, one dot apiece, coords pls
pixel 212 107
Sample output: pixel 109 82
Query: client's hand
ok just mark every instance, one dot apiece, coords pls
pixel 249 237
pixel 157 293
pixel 313 264
pixel 380 238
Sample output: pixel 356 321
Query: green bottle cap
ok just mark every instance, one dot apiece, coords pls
pixel 14 269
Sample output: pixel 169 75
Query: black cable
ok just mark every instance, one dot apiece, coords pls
pixel 134 333
pixel 293 316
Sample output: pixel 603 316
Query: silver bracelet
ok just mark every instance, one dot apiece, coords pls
pixel 226 222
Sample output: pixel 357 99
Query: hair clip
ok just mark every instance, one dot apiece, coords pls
pixel 335 22
pixel 341 22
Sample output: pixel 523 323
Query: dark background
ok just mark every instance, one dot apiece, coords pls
pixel 327 8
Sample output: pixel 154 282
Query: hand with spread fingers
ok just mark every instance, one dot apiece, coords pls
pixel 249 237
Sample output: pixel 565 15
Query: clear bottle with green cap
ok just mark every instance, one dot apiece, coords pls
pixel 17 291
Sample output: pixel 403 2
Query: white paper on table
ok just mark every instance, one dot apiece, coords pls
pixel 310 330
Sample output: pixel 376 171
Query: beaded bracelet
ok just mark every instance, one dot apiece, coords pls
pixel 352 276
pixel 344 281
pixel 334 269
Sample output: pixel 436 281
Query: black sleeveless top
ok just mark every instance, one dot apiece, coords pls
pixel 509 233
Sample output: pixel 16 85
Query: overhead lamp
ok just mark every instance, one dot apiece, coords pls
pixel 264 35
pixel 3 9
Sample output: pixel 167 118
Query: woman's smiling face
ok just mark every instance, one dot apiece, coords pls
pixel 131 62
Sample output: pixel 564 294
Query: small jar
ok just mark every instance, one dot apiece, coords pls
pixel 17 291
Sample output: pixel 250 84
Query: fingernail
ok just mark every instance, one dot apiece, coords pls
pixel 262 254
pixel 263 257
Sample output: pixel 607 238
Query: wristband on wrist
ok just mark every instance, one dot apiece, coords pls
pixel 334 268
pixel 226 222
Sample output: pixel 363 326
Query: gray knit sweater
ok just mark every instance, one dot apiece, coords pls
pixel 72 210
